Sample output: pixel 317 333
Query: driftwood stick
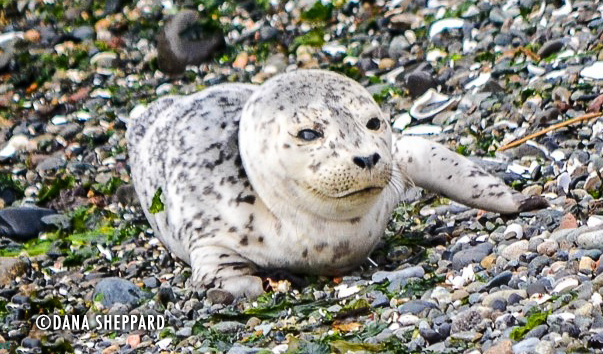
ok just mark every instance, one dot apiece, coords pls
pixel 548 129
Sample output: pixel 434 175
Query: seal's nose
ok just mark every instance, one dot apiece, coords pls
pixel 367 162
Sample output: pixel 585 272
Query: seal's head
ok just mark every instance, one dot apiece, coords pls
pixel 316 141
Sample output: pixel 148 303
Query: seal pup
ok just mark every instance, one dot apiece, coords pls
pixel 301 173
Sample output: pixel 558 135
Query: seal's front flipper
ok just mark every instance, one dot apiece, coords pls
pixel 432 166
pixel 225 274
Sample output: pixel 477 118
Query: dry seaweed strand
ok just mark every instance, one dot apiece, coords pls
pixel 551 128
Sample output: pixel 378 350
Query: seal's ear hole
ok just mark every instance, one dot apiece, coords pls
pixel 308 134
pixel 373 124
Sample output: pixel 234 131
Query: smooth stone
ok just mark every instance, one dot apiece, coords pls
pixel 467 336
pixel 31 343
pixel 430 335
pixel 151 283
pixel 548 247
pixel 241 349
pixel 117 290
pixel 538 331
pixel 471 255
pixel 23 223
pixel 502 294
pixel 499 304
pixel 516 249
pixel 228 327
pixel 184 332
pixel 536 288
pixel 416 306
pixel 51 164
pixel 505 346
pixel 526 346
pixel 500 279
pixel 419 82
pixel 544 347
pixel 551 47
pixel 565 285
pixel 589 240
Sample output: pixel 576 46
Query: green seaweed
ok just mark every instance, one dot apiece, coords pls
pixel 49 192
pixel 313 38
pixel 318 13
pixel 156 204
pixel 534 320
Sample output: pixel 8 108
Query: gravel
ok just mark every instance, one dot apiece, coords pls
pixel 445 278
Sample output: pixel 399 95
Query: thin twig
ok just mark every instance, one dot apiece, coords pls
pixel 551 128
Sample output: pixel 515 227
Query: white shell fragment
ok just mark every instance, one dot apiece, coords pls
pixel 514 230
pixel 445 24
pixel 402 121
pixel 10 36
pixel 536 70
pixel 563 181
pixel 430 104
pixel 479 81
pixel 423 129
pixel 16 143
pixel 594 71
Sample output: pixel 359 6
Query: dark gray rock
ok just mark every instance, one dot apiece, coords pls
pixel 126 195
pixel 536 288
pixel 551 47
pixel 31 343
pixel 268 33
pixel 430 335
pixel 185 41
pixel 499 304
pixel 416 306
pixel 151 283
pixel 51 164
pixel 471 255
pixel 500 279
pixel 419 82
pixel 116 290
pixel 23 223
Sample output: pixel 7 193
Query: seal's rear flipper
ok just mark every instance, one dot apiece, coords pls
pixel 432 166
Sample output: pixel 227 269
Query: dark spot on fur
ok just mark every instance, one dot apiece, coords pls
pixel 244 241
pixel 320 246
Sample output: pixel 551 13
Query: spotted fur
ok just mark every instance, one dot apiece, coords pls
pixel 242 190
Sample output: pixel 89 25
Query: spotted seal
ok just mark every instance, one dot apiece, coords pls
pixel 301 173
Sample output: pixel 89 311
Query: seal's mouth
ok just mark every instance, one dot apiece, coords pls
pixel 364 191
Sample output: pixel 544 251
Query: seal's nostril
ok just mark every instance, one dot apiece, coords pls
pixel 376 158
pixel 360 161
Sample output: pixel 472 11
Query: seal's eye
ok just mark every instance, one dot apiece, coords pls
pixel 373 124
pixel 308 134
